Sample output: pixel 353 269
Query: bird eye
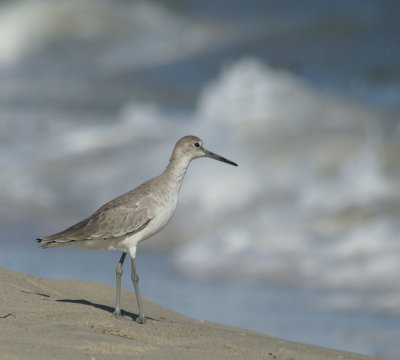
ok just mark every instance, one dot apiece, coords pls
pixel 197 144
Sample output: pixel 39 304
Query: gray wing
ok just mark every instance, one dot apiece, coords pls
pixel 112 220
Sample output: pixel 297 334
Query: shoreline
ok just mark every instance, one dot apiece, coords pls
pixel 69 319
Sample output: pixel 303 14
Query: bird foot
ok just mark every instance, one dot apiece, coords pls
pixel 141 320
pixel 117 313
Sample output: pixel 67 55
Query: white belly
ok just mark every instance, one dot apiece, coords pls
pixel 155 225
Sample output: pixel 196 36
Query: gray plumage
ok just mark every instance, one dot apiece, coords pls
pixel 125 215
pixel 136 215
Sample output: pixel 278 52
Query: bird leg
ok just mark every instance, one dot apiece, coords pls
pixel 135 279
pixel 118 275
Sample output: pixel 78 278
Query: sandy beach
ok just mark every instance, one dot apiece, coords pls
pixel 65 319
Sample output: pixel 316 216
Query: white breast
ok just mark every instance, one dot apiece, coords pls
pixel 163 214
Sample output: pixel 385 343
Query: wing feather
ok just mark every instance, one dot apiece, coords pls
pixel 126 214
pixel 107 222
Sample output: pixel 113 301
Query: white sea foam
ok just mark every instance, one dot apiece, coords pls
pixel 311 189
pixel 137 34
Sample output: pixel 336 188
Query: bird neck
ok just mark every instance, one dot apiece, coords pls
pixel 176 170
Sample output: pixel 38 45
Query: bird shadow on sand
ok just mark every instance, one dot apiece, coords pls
pixel 110 309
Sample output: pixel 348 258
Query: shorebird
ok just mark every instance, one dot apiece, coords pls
pixel 124 222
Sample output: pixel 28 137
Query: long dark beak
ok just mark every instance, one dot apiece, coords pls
pixel 217 157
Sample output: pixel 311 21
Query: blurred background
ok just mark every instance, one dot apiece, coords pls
pixel 301 241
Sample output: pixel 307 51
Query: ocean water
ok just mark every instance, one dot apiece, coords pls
pixel 301 240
